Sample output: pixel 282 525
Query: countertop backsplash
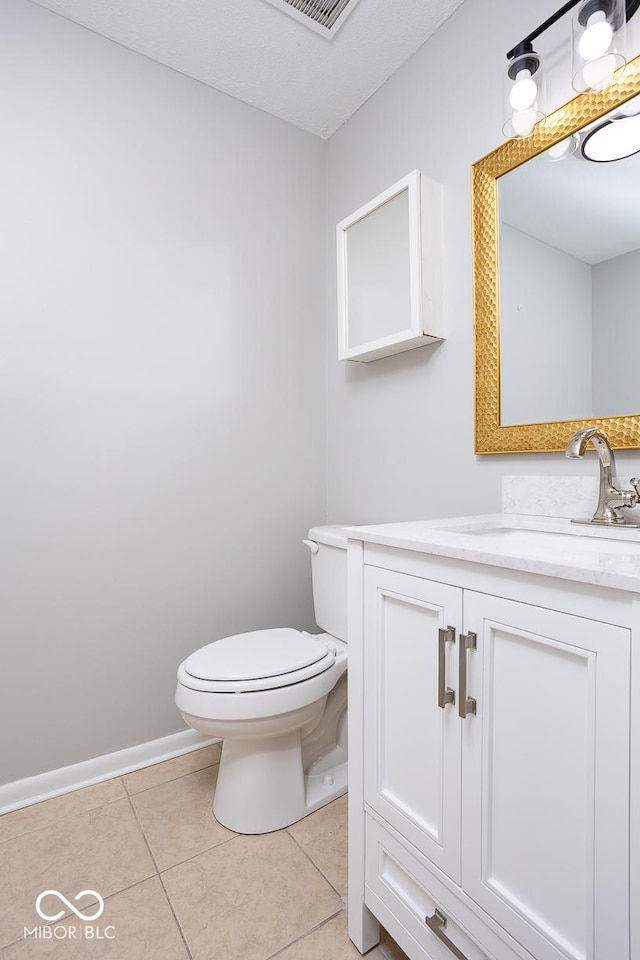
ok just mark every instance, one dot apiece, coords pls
pixel 572 497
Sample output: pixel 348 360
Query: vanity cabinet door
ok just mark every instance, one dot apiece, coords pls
pixel 546 778
pixel 412 745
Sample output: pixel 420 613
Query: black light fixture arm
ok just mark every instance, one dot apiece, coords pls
pixel 526 45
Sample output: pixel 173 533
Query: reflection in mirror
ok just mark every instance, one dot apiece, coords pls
pixel 569 260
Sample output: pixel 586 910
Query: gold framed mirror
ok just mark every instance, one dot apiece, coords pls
pixel 496 429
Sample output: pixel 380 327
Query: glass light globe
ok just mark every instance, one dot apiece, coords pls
pixel 598 73
pixel 524 121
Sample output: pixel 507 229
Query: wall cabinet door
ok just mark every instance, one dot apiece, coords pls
pixel 545 844
pixel 412 745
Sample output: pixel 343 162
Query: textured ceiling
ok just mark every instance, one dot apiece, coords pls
pixel 254 52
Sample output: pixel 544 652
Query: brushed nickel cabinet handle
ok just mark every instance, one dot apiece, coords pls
pixel 437 924
pixel 445 694
pixel 466 705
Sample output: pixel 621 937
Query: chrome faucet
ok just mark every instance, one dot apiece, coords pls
pixel 610 499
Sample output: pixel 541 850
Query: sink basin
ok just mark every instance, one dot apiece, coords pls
pixel 517 538
pixel 573 539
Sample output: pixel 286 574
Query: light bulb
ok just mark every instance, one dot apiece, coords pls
pixel 523 122
pixel 524 91
pixel 597 37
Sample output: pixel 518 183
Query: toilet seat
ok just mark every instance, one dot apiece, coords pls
pixel 259 660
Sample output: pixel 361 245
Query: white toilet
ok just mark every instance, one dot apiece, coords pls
pixel 278 699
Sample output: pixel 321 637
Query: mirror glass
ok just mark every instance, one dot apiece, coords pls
pixel 569 271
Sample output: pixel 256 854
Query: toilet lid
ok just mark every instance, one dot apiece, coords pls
pixel 260 659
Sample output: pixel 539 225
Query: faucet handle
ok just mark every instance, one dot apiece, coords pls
pixel 635 483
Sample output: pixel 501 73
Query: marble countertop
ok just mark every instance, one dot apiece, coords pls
pixel 552 547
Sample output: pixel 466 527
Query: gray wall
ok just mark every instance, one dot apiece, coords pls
pixel 545 331
pixel 569 332
pixel 616 335
pixel 400 430
pixel 161 383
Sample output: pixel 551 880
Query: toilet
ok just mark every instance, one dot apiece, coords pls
pixel 278 700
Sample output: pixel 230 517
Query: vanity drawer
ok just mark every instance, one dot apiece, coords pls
pixel 401 892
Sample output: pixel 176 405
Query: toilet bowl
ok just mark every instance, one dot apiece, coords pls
pixel 278 699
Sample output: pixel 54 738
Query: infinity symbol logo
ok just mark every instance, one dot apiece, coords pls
pixel 70 906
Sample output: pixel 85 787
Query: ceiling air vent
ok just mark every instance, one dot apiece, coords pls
pixel 323 16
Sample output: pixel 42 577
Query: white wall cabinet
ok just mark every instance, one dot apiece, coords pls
pixel 490 814
pixel 390 272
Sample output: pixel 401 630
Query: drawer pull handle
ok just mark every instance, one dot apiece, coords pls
pixel 445 694
pixel 466 705
pixel 438 924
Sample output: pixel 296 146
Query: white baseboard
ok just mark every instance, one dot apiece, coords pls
pixel 22 793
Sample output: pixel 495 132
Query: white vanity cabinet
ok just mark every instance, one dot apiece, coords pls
pixel 489 797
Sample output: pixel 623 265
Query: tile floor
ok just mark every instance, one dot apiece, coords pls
pixel 177 885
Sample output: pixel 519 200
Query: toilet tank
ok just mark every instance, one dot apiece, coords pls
pixel 329 576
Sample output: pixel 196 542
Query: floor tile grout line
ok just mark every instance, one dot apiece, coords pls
pixel 194 856
pixel 144 836
pixel 69 915
pixel 169 780
pixel 307 933
pixel 122 777
pixel 320 871
pixel 162 783
pixel 160 871
pixel 159 876
pixel 68 816
pixel 236 837
pixel 156 873
pixel 175 917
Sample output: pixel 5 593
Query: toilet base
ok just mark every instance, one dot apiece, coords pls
pixel 275 767
pixel 272 771
pixel 321 788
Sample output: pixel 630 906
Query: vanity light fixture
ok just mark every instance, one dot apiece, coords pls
pixel 522 93
pixel 612 140
pixel 598 31
pixel 598 38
